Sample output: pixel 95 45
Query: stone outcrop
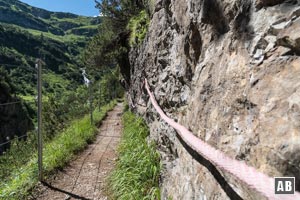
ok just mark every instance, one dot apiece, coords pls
pixel 230 72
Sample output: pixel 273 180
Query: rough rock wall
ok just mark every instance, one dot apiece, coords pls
pixel 229 70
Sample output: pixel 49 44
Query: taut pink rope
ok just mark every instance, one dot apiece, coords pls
pixel 249 175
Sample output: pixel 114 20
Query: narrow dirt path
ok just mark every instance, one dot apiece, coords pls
pixel 84 177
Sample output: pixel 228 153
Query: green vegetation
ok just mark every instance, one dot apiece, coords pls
pixel 66 38
pixel 27 33
pixel 5 83
pixel 19 165
pixel 124 22
pixel 66 129
pixel 65 97
pixel 137 170
pixel 19 50
pixel 89 30
pixel 138 26
pixel 65 105
pixel 9 121
pixel 18 13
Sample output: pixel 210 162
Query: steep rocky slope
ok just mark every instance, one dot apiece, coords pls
pixel 230 72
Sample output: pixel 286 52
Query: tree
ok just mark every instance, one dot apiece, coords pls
pixel 110 48
pixel 120 11
pixel 6 85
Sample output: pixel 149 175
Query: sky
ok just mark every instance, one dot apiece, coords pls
pixel 80 7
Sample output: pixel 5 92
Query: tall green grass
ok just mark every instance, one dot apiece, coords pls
pixel 136 175
pixel 57 152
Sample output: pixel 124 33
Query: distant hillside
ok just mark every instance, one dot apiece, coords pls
pixel 28 33
pixel 21 14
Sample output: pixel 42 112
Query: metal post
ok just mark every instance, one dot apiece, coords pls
pixel 91 104
pixel 39 131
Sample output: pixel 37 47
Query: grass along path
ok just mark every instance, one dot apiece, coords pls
pixel 57 153
pixel 136 175
pixel 83 178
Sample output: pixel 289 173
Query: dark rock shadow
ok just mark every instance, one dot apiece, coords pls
pixel 75 196
pixel 213 170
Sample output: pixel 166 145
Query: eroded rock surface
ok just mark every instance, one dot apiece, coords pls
pixel 230 72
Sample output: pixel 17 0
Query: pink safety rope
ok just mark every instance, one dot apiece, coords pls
pixel 249 175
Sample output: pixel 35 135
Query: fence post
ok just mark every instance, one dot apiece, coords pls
pixel 39 130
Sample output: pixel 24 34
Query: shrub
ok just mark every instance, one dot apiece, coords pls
pixel 138 25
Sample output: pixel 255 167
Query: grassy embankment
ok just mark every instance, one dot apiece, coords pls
pixel 19 170
pixel 137 170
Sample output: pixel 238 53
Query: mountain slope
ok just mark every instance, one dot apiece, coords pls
pixel 28 33
pixel 18 13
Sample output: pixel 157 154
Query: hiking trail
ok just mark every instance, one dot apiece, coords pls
pixel 83 178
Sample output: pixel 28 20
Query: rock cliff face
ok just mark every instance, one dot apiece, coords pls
pixel 230 72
